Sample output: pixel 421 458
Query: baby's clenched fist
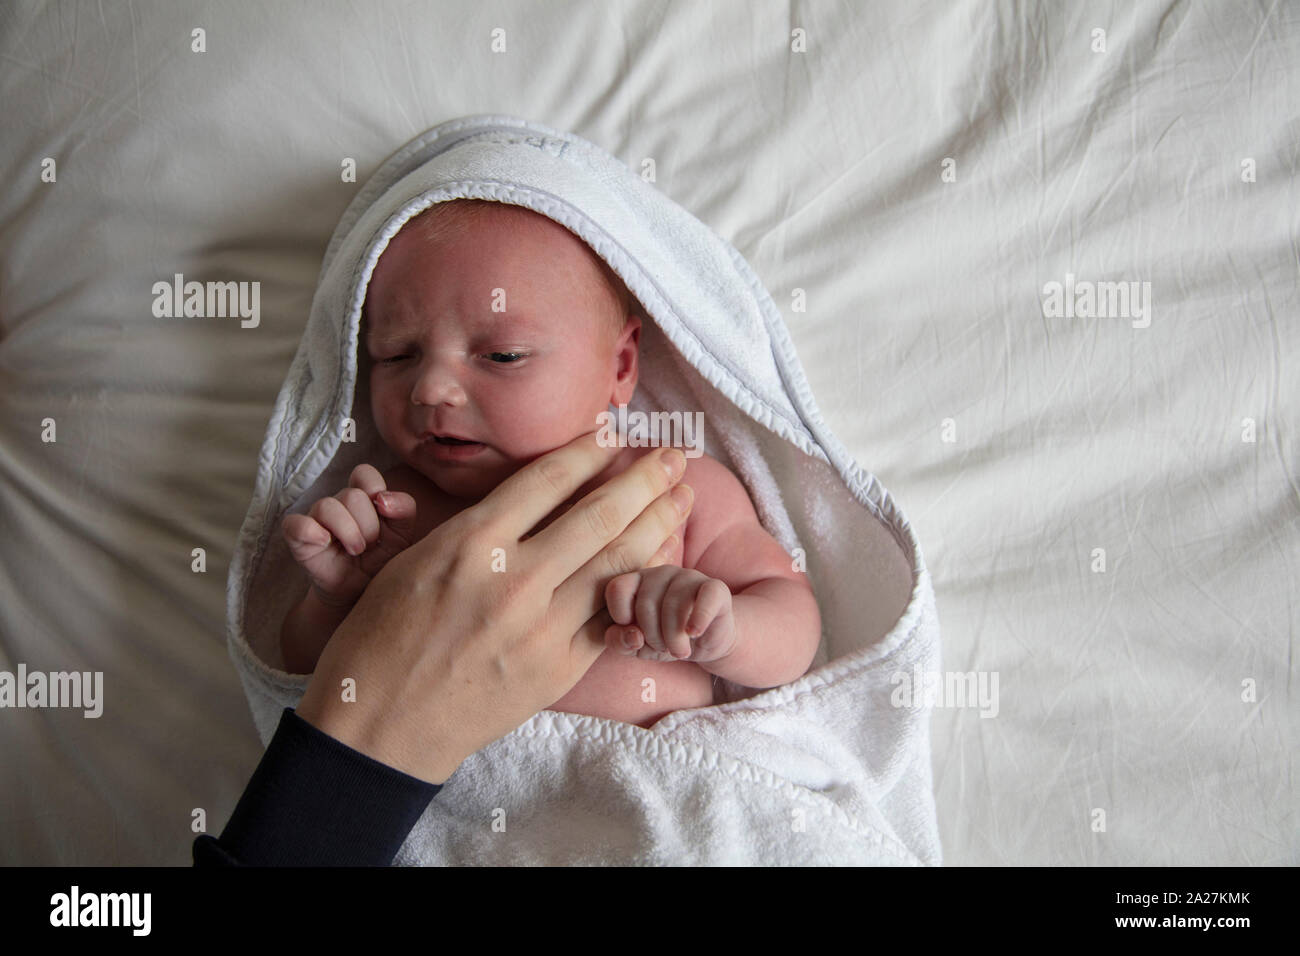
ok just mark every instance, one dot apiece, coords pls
pixel 669 613
pixel 345 540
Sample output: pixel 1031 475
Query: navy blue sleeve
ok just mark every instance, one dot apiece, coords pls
pixel 314 801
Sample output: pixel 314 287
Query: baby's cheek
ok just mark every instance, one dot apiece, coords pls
pixel 551 412
pixel 381 413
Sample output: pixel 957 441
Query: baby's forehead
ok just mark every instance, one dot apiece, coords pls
pixel 460 216
pixel 569 262
pixel 489 230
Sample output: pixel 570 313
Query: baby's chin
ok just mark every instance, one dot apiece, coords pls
pixel 471 483
pixel 474 480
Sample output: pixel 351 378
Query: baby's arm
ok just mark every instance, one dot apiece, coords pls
pixel 778 625
pixel 755 619
pixel 342 543
pixel 306 630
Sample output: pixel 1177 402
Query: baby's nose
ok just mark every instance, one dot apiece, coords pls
pixel 437 388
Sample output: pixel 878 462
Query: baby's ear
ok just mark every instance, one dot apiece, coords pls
pixel 631 330
pixel 626 355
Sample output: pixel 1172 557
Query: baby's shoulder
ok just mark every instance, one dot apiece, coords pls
pixel 720 502
pixel 711 480
pixel 706 475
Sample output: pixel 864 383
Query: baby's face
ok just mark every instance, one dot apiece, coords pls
pixel 517 383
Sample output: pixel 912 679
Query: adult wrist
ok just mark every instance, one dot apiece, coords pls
pixel 351 726
pixel 315 801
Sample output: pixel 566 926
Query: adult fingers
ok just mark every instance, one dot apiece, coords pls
pixel 665 554
pixel 583 592
pixel 520 502
pixel 588 528
pixel 589 641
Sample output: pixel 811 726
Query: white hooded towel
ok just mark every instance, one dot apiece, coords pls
pixel 833 768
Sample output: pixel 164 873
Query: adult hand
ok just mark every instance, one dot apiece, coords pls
pixel 449 654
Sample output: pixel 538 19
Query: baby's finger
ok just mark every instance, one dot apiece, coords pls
pixel 620 593
pixel 714 643
pixel 710 601
pixel 394 505
pixel 675 609
pixel 368 479
pixel 675 640
pixel 305 537
pixel 647 614
pixel 398 509
pixel 338 521
pixel 363 513
pixel 624 640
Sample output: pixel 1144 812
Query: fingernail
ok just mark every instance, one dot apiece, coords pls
pixel 629 638
pixel 682 497
pixel 669 546
pixel 383 498
pixel 674 462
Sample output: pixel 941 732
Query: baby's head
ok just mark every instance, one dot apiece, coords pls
pixel 492 323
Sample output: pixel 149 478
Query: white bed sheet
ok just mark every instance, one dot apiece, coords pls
pixel 1125 691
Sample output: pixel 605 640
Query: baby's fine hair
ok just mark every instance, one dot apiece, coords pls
pixel 445 218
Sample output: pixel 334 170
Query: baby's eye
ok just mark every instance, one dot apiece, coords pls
pixel 391 361
pixel 505 358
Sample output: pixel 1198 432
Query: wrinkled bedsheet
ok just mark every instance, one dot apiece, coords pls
pixel 1039 263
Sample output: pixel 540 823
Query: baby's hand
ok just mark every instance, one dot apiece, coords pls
pixel 670 613
pixel 344 541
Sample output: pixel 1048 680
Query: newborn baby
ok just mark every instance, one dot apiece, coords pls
pixel 495 335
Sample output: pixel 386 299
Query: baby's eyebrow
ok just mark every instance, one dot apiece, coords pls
pixel 376 342
pixel 524 322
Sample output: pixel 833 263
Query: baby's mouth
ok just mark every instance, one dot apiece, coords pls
pixel 452 448
pixel 434 437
